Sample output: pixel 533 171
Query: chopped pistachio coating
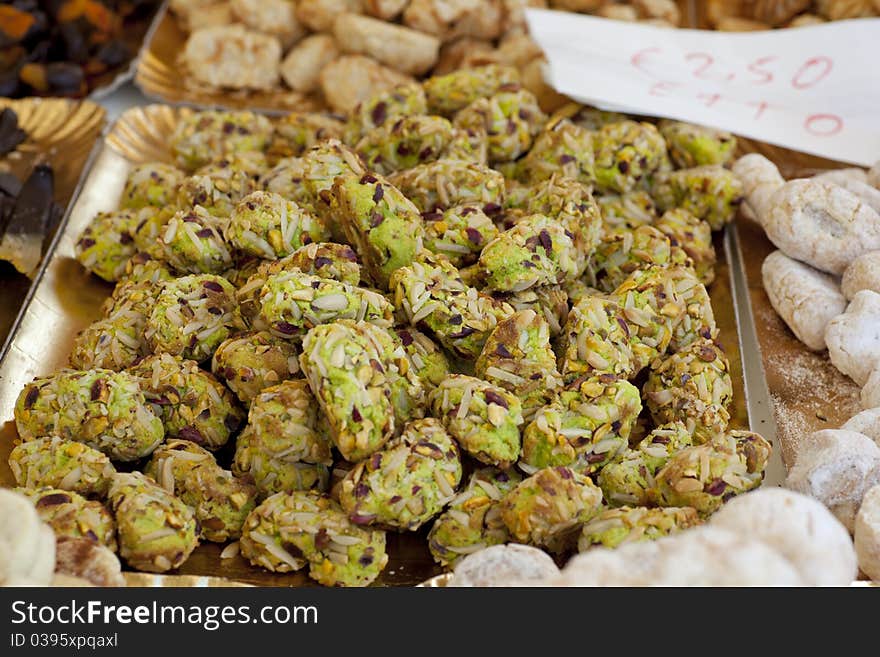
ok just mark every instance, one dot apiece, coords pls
pixel 697 319
pixel 588 118
pixel 447 94
pixel 404 143
pixel 692 235
pixel 510 119
pixel 425 357
pixel 157 532
pixel 103 409
pixel 292 303
pixel 626 154
pixel 596 340
pixel 289 530
pixel 274 474
pixel 337 362
pixel 253 164
pixel 705 476
pixel 143 268
pixel 286 179
pixel 201 136
pixel 570 203
pixel 459 233
pixel 407 482
pixel 321 165
pixel 269 226
pixel 217 188
pixel 113 343
pixel 299 131
pixel 537 251
pixel 711 193
pixel 71 514
pixel 562 149
pixel 548 301
pixel 58 463
pixel 629 479
pixel 243 267
pixel 630 210
pixel 483 418
pixel 250 362
pixel 192 242
pixel 192 316
pixel 151 223
pixel 616 527
pixel 584 428
pixel 384 108
pixel 220 501
pixel 153 184
pixel 284 420
pixel 473 520
pixel 106 244
pixel 431 296
pixel 327 260
pixel 467 146
pixel 693 145
pixel 621 252
pixel 578 290
pixel 518 357
pixel 692 386
pixel 193 404
pixel 547 509
pixel 446 183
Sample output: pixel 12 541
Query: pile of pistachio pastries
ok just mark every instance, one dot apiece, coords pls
pixel 448 313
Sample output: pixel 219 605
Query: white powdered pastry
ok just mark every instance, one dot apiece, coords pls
pixel 836 467
pixel 867 422
pixel 27 546
pixel 504 565
pixel 760 179
pixel 704 556
pixel 867 534
pixel 870 395
pixel 806 299
pixel 862 274
pixel 843 176
pixel 83 558
pixel 853 338
pixel 799 528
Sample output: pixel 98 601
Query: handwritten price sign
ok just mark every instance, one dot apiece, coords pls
pixel 813 89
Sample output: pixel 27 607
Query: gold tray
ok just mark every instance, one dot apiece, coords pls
pixel 61 133
pixel 67 299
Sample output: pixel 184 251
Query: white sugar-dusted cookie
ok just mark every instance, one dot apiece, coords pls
pixel 804 298
pixel 874 175
pixel 862 274
pixel 870 395
pixel 704 556
pixel 504 565
pixel 760 179
pixel 836 467
pixel 853 338
pixel 866 422
pixel 868 194
pixel 96 563
pixel 843 176
pixel 820 224
pixel 867 534
pixel 798 527
pixel 23 541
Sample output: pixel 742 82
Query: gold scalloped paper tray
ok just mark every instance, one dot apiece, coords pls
pixel 68 298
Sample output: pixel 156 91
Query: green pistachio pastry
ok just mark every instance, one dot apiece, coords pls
pixel 446 183
pixel 473 520
pixel 596 340
pixel 447 94
pixel 291 530
pixel 563 149
pixel 200 137
pixel 250 362
pixel 54 462
pixel 71 514
pixel 407 482
pixel 616 527
pixel 157 532
pixel 269 226
pixel 710 192
pixel 627 211
pixel 107 243
pixel 425 357
pixel 384 108
pixel 571 204
pixel 286 179
pixel 623 252
pixel 153 184
pixel 693 145
pixel 483 418
pixel 405 143
pixel 217 188
pixel 584 428
pixel 518 357
pixel 459 233
pixel 547 509
pixel 192 242
pixel 694 237
pixel 191 317
pixel 588 118
pixel 297 132
pixel 548 301
pixel 510 118
pixel 102 409
pixel 193 404
pixel 627 154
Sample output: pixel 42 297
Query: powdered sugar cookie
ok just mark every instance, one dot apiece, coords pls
pixel 867 534
pixel 867 422
pixel 760 179
pixel 862 274
pixel 853 338
pixel 502 565
pixel 871 392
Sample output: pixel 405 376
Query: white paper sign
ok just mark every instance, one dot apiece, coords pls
pixel 813 89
